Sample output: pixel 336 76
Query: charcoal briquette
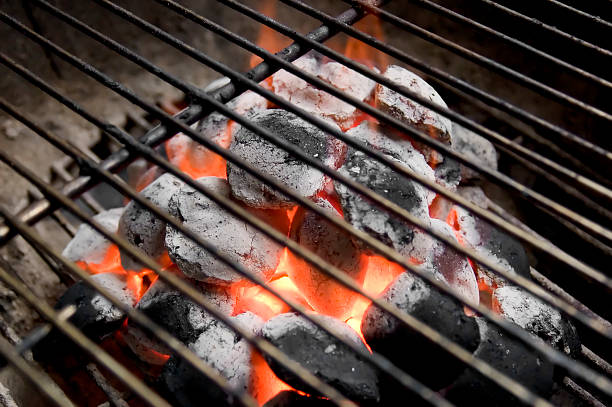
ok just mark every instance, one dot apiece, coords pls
pixel 88 245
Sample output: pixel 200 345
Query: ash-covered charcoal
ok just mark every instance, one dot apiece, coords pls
pixel 491 242
pixel 315 101
pixel 237 239
pixel 448 173
pixel 408 349
pixel 396 146
pixel 223 350
pixel 323 355
pixel 322 292
pixel 290 398
pixel 95 316
pixel 452 266
pixel 89 246
pixel 510 357
pixel 538 318
pixel 369 217
pixel 141 227
pixel 176 313
pixel 270 159
pixel 474 147
pixel 412 113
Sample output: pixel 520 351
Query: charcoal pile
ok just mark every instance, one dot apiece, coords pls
pixel 338 319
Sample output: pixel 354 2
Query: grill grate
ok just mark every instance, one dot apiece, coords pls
pixel 565 170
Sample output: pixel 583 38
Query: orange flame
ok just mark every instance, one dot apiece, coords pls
pixel 363 53
pixel 268 38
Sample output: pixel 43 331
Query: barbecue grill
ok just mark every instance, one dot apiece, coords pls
pixel 531 79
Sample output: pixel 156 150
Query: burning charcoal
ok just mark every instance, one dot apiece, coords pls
pixel 300 93
pixel 538 318
pixel 141 227
pixel 510 357
pixel 240 241
pixel 290 398
pixel 452 266
pixel 90 246
pixel 293 173
pixel 474 147
pixel 367 216
pixel 322 292
pixel 412 113
pixel 408 349
pixel 223 350
pixel 492 243
pixel 448 173
pixel 395 146
pixel 95 316
pixel 176 313
pixel 323 355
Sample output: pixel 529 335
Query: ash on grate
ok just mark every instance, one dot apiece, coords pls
pixel 176 313
pixel 335 246
pixel 234 237
pixel 141 227
pixel 280 164
pixel 408 349
pixel 367 216
pixel 510 357
pixel 323 355
pixel 223 350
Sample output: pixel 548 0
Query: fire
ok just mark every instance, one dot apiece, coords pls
pixel 268 38
pixel 363 53
pixel 194 159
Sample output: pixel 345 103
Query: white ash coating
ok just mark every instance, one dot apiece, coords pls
pixel 226 351
pixel 296 175
pixel 395 146
pixel 536 317
pixel 367 216
pixel 88 245
pixel 141 227
pixel 238 240
pixel 408 111
pixel 474 147
pixel 335 246
pixel 304 95
pixel 117 286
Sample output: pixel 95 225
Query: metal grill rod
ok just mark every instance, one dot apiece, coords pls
pixel 287 31
pixel 515 388
pixel 552 29
pixel 32 373
pixel 335 175
pixel 181 285
pixel 595 19
pixel 475 57
pixel 189 115
pixel 493 136
pixel 586 223
pixel 337 274
pixel 458 84
pixel 307 159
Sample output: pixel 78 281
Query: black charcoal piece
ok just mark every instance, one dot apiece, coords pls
pixel 290 398
pixel 538 318
pixel 223 350
pixel 176 313
pixel 95 316
pixel 510 357
pixel 237 239
pixel 474 147
pixel 141 227
pixel 90 246
pixel 323 355
pixel 280 164
pixel 370 218
pixel 322 292
pixel 408 349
